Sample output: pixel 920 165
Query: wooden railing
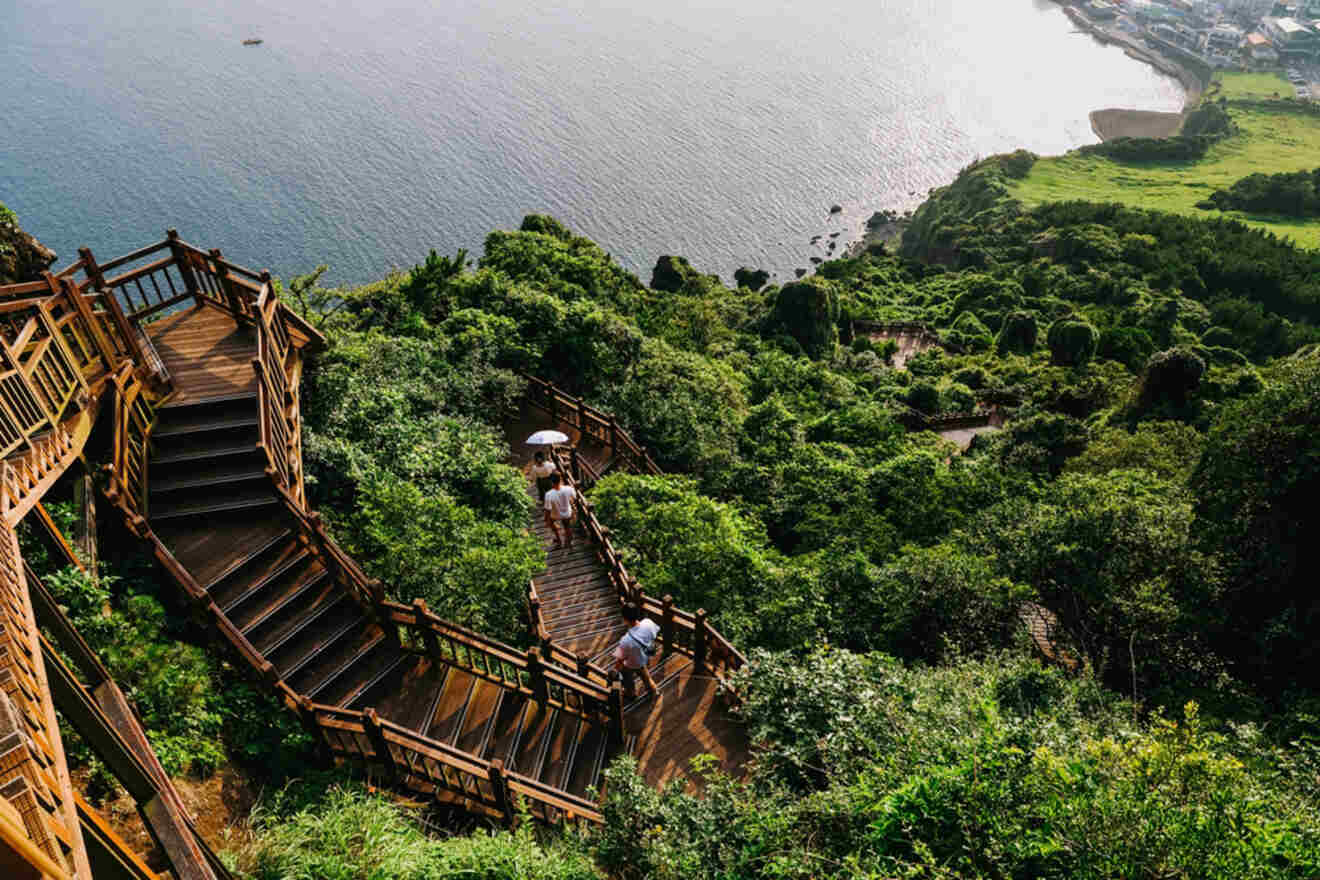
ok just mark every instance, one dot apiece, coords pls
pixel 433 767
pixel 688 634
pixel 134 418
pixel 55 356
pixel 277 396
pixel 555 653
pixel 592 423
pixel 33 773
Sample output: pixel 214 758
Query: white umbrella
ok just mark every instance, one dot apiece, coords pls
pixel 547 438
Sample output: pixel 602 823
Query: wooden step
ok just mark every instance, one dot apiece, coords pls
pixel 560 750
pixel 318 630
pixel 200 451
pixel 316 676
pixel 203 423
pixel 265 577
pixel 303 594
pixel 603 623
pixel 436 696
pixel 590 755
pixel 371 674
pixel 596 605
pixel 268 546
pixel 483 705
pixel 263 496
pixel 534 739
pixel 504 732
pixel 189 403
pixel 451 709
pixel 210 473
pixel 665 677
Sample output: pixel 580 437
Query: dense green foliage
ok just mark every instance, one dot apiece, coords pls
pixel 1149 489
pixel 1292 194
pixel 1000 768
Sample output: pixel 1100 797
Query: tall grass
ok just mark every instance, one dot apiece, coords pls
pixel 347 833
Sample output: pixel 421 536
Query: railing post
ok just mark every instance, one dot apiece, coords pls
pixel 554 405
pixel 183 262
pixel 126 329
pixel 667 622
pixel 614 436
pixel 307 715
pixel 91 268
pixel 376 736
pixel 499 786
pixel 582 415
pixel 616 712
pixel 583 665
pixel 536 676
pixel 79 305
pixel 574 466
pixel 428 634
pixel 222 275
pixel 700 640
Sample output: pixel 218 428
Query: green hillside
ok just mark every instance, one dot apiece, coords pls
pixel 1274 136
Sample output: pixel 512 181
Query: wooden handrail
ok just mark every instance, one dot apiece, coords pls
pixel 681 632
pixel 591 422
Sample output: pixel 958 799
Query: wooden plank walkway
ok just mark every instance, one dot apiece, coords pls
pixel 582 612
pixel 212 505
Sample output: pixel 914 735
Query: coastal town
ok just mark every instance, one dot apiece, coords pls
pixel 1199 36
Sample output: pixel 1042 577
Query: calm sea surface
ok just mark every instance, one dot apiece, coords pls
pixel 361 134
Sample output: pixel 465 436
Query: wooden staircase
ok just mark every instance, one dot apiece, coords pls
pixel 211 503
pixel 203 370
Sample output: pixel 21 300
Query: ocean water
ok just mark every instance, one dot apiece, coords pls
pixel 362 134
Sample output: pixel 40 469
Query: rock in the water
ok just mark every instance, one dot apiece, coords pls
pixel 816 238
pixel 836 209
pixel 673 274
pixel 835 234
pixel 22 257
pixel 817 260
pixel 799 272
pixel 752 279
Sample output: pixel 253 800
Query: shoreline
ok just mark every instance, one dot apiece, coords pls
pixel 1117 122
pixel 1107 124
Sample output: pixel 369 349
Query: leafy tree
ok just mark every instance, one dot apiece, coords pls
pixel 1072 342
pixel 808 310
pixel 1018 334
pixel 1255 487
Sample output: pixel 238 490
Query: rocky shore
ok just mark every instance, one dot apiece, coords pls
pixel 22 257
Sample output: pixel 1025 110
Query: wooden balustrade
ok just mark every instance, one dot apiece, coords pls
pixel 590 422
pixel 427 765
pixel 33 773
pixel 280 425
pixel 525 672
pixel 681 632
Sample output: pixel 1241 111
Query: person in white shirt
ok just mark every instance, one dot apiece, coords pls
pixel 559 510
pixel 542 468
pixel 634 651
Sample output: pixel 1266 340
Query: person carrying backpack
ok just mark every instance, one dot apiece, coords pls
pixel 635 651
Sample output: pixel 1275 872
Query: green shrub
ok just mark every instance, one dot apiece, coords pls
pixel 1072 342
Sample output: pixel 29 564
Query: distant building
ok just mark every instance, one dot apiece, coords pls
pixel 1249 10
pixel 1100 10
pixel 1292 39
pixel 1258 48
pixel 1224 38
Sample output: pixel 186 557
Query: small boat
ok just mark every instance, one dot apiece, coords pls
pixel 252 41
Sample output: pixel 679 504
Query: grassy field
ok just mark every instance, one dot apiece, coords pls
pixel 1269 142
pixel 1249 86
